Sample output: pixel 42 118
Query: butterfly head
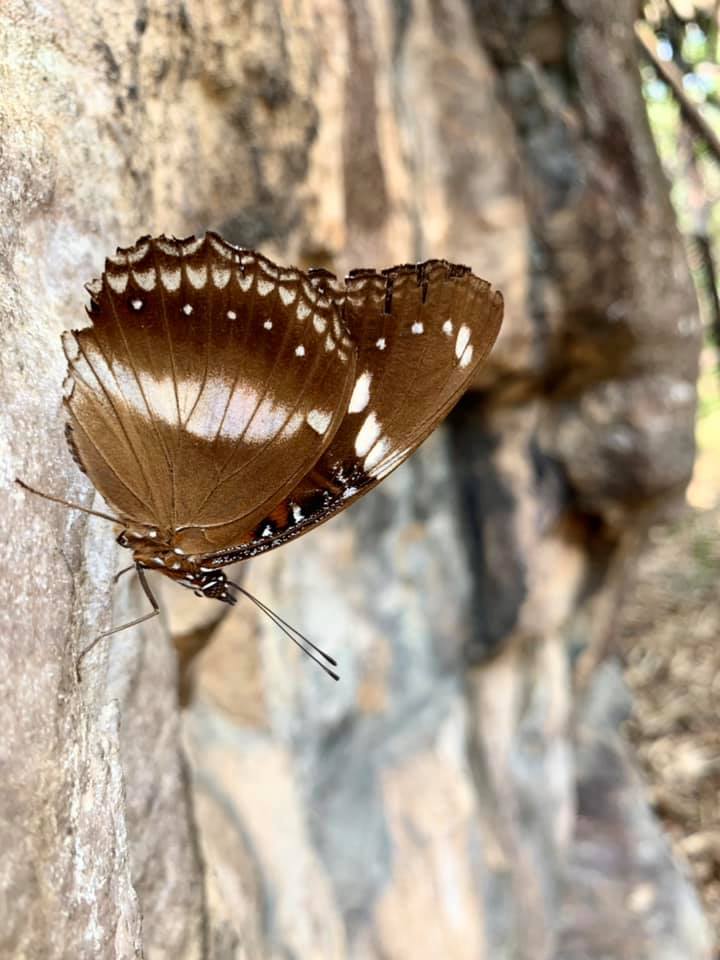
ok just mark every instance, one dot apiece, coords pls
pixel 144 539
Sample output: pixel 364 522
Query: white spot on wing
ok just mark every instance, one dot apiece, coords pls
pixel 231 315
pixel 145 278
pixel 329 343
pixel 267 420
pixel 462 340
pixel 297 513
pixel 197 276
pixel 170 279
pixel 367 435
pixel 264 287
pixel 220 275
pixel 187 309
pixel 287 295
pixel 320 323
pixel 293 425
pixel 136 255
pixel 447 327
pixel 245 280
pixel 136 304
pixel 303 310
pixel 417 327
pixel 300 351
pixel 380 343
pixel 377 454
pixel 268 324
pixel 361 393
pixel 319 420
pixel 118 281
pixel 467 355
pixel 220 248
pixel 192 245
pixel 390 464
pixel 394 461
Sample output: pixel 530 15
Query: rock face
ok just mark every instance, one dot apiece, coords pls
pixel 463 792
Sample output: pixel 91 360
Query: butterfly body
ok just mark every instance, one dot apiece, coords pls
pixel 223 405
pixel 155 549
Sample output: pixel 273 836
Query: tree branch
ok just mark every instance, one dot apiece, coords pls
pixel 672 76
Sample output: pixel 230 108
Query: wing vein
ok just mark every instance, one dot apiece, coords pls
pixel 104 458
pixel 171 456
pixel 131 360
pixel 268 379
pixel 232 329
pixel 118 417
pixel 244 467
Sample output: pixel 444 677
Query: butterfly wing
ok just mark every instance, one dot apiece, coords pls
pixel 198 397
pixel 421 333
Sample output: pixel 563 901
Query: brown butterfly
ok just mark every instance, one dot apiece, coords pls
pixel 223 405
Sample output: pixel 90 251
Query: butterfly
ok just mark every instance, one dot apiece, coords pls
pixel 223 405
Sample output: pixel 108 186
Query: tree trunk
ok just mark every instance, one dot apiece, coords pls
pixel 464 791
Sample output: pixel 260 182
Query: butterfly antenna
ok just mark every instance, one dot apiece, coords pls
pixel 299 639
pixel 65 503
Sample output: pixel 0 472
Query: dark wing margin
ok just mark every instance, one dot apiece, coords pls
pixel 422 332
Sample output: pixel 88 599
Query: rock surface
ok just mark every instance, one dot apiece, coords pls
pixel 456 793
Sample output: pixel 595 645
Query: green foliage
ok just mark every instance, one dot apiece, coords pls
pixel 692 168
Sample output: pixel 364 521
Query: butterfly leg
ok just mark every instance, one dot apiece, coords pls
pixel 124 570
pixel 124 626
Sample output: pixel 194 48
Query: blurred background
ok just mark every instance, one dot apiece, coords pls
pixel 671 624
pixel 522 759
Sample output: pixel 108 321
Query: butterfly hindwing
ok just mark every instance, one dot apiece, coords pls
pixel 421 333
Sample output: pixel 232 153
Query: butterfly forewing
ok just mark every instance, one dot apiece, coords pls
pixel 421 333
pixel 209 384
